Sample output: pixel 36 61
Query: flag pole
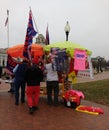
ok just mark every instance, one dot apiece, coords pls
pixel 8 28
pixel 34 21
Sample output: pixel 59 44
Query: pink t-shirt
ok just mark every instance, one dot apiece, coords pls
pixel 79 59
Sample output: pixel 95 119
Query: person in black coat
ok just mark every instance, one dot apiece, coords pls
pixel 19 72
pixel 33 77
pixel 0 73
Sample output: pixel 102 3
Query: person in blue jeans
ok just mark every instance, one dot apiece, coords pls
pixel 19 81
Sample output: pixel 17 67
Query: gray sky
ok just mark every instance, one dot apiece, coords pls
pixel 88 19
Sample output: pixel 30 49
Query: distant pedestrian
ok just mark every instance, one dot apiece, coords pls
pixel 99 65
pixel 12 85
pixel 0 73
pixel 33 77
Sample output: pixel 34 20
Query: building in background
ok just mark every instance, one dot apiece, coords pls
pixel 40 39
pixel 3 57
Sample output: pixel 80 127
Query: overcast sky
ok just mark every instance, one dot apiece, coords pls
pixel 88 19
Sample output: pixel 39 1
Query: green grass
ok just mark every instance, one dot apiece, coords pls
pixel 97 91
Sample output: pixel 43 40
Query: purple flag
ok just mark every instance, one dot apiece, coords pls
pixel 11 63
pixel 29 37
pixel 47 36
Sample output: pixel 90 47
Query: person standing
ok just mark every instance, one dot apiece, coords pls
pixel 51 83
pixel 0 73
pixel 33 77
pixel 19 81
pixel 12 86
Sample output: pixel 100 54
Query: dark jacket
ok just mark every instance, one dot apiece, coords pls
pixel 0 71
pixel 33 76
pixel 20 72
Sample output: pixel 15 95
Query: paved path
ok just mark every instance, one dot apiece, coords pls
pixel 49 118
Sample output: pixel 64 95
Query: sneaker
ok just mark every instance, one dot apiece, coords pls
pixel 31 110
pixel 16 103
pixel 35 108
pixel 56 104
pixel 10 91
pixel 23 101
pixel 49 103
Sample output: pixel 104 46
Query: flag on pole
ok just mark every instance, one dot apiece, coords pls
pixel 29 37
pixel 11 63
pixel 6 22
pixel 47 36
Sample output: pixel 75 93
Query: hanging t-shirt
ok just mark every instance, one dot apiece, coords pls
pixel 79 59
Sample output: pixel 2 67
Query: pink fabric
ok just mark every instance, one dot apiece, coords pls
pixel 79 93
pixel 79 59
pixel 33 93
pixel 73 95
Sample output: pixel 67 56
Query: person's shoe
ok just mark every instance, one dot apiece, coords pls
pixel 10 91
pixel 16 103
pixel 31 110
pixel 56 104
pixel 35 108
pixel 49 103
pixel 23 101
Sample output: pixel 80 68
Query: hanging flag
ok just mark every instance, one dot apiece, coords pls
pixel 47 36
pixel 29 37
pixel 6 22
pixel 11 63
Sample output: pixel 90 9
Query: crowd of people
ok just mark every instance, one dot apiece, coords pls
pixel 26 79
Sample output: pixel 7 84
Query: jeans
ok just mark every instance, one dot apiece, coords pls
pixel 52 86
pixel 19 84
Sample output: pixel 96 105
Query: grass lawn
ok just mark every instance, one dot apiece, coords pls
pixel 96 91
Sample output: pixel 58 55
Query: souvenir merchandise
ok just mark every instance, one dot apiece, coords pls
pixel 72 98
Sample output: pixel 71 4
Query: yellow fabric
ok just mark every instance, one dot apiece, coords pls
pixel 70 46
pixel 77 109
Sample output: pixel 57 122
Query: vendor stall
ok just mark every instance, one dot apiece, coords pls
pixel 69 59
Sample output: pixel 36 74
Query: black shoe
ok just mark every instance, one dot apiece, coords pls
pixel 56 104
pixel 16 103
pixel 10 91
pixel 35 108
pixel 23 101
pixel 49 103
pixel 31 110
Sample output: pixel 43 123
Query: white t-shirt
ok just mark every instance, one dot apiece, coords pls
pixel 51 75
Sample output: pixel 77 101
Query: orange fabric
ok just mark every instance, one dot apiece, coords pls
pixel 17 51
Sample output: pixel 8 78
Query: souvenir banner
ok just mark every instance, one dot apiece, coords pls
pixel 29 37
pixel 84 73
pixel 90 67
pixel 11 63
pixel 79 59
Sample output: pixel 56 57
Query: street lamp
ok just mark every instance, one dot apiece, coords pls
pixel 67 30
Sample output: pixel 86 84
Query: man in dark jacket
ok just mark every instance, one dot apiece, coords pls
pixel 19 81
pixel 33 77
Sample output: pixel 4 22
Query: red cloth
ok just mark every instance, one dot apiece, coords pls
pixel 33 93
pixel 91 109
pixel 71 68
